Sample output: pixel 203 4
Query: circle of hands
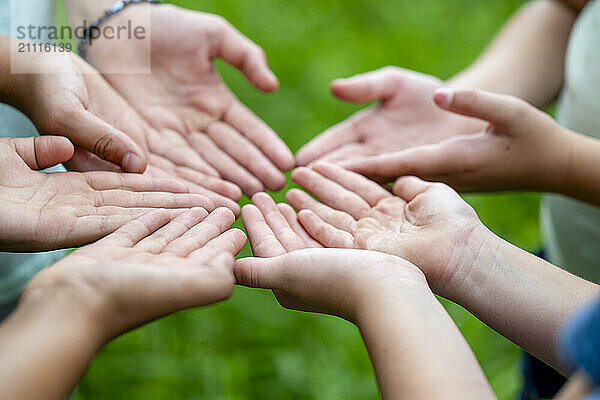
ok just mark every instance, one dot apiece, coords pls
pixel 199 148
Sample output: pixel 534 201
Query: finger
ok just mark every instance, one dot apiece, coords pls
pixel 302 201
pixel 324 233
pixel 84 161
pixel 231 242
pixel 125 198
pixel 93 134
pixel 259 133
pixel 212 226
pixel 162 167
pixel 42 152
pixel 381 84
pixel 160 239
pixel 409 187
pixel 452 160
pixel 138 229
pixel 347 152
pixel 217 199
pixel 246 154
pixel 229 169
pixel 367 189
pixel 237 50
pixel 330 140
pixel 173 147
pixel 331 193
pixel 101 180
pixel 265 273
pixel 263 241
pixel 498 109
pixel 292 219
pixel 277 222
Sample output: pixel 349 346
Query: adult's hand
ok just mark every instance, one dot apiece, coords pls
pixel 405 117
pixel 64 96
pixel 58 210
pixel 184 95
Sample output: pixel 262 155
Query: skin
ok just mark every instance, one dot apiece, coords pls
pixel 60 210
pixel 185 100
pixel 385 296
pixel 64 96
pixel 156 265
pixel 522 148
pixel 429 225
pixel 525 59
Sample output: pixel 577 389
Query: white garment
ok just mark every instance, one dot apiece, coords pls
pixel 572 228
pixel 17 269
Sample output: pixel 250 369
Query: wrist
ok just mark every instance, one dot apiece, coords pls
pixel 470 265
pixel 395 283
pixel 64 301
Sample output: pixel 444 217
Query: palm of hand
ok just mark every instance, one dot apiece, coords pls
pixel 419 231
pixel 406 117
pixel 185 260
pixel 185 100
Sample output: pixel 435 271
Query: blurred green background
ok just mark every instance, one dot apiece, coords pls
pixel 249 347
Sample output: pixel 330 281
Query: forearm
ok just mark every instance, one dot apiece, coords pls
pixel 86 10
pixel 417 351
pixel 524 298
pixel 526 59
pixel 45 348
pixel 582 179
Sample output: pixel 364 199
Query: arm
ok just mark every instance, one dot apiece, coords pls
pixel 526 59
pixel 412 342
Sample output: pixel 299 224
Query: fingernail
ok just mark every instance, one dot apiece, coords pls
pixel 132 163
pixel 444 96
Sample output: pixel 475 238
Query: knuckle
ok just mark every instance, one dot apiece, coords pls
pixel 105 147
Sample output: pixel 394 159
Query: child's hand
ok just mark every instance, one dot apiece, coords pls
pixel 306 277
pixel 427 224
pixel 522 148
pixel 157 264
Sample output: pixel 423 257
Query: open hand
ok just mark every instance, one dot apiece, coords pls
pixel 425 223
pixel 406 117
pixel 162 262
pixel 184 98
pixel 58 210
pixel 306 277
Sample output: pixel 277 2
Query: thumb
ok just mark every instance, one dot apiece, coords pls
pixel 110 144
pixel 500 110
pixel 381 84
pixel 42 152
pixel 264 273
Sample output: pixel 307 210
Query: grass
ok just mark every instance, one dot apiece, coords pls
pixel 248 347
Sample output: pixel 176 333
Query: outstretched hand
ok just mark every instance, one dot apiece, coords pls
pixel 58 210
pixel 186 101
pixel 162 262
pixel 306 277
pixel 405 117
pixel 425 223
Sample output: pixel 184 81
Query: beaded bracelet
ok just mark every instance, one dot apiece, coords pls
pixel 116 8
